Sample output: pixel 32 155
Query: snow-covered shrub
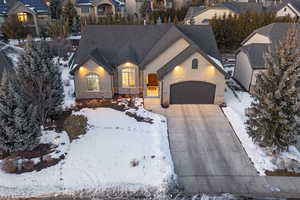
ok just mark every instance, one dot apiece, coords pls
pixel 134 163
pixel 75 125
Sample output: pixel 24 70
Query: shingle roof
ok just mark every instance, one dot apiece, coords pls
pixel 193 11
pixel 90 2
pixel 294 3
pixel 141 44
pixel 38 6
pixel 239 7
pixel 255 53
pixel 236 7
pixel 275 32
pixel 3 8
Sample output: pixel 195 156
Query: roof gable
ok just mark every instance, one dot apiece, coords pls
pixel 141 44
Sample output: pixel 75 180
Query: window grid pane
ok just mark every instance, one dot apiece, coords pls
pixel 128 77
pixel 92 82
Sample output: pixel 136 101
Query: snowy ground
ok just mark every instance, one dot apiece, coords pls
pixel 67 80
pixel 235 112
pixel 101 159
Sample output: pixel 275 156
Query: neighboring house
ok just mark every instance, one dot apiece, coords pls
pixel 250 57
pixel 99 8
pixel 202 14
pixel 33 13
pixel 176 63
pixel 289 8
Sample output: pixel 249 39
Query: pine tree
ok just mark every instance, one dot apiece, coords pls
pixel 272 115
pixel 40 79
pixel 19 129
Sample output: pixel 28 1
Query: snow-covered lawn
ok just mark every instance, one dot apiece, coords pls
pixel 235 112
pixel 101 159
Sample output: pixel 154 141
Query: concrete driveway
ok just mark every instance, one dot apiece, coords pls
pixel 209 158
pixel 204 145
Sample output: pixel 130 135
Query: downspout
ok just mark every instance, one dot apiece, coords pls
pixel 161 93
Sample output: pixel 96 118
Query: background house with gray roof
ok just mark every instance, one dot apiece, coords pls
pixel 99 8
pixel 176 63
pixel 250 57
pixel 33 13
pixel 288 8
pixel 202 14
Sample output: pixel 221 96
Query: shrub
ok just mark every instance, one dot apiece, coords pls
pixel 28 164
pixel 134 163
pixel 75 125
pixel 10 165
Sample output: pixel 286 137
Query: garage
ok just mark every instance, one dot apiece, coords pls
pixel 192 92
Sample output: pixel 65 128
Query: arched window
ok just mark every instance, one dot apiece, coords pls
pixel 93 82
pixel 195 63
pixel 128 77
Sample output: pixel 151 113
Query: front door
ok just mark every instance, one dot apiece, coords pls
pixel 152 86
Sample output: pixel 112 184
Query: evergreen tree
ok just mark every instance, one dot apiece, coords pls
pixel 69 14
pixel 272 115
pixel 40 79
pixel 19 129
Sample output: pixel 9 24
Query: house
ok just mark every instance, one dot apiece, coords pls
pixel 176 63
pixel 202 14
pixel 33 13
pixel 289 8
pixel 250 57
pixel 98 8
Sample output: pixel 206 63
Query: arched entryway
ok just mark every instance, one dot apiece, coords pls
pixel 105 9
pixel 192 92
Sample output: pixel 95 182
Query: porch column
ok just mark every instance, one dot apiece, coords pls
pixel 36 25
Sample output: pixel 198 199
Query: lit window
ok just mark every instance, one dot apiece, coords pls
pixel 22 17
pixel 92 82
pixel 195 63
pixel 128 77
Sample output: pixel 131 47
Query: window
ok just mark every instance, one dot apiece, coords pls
pixel 128 77
pixel 195 63
pixel 85 9
pixel 92 82
pixel 22 17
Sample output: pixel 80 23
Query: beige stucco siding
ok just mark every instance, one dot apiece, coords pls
pixel 258 38
pixel 211 13
pixel 105 81
pixel 243 70
pixel 206 72
pixel 118 80
pixel 285 11
pixel 164 58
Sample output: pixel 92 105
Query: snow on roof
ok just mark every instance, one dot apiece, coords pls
pixel 216 61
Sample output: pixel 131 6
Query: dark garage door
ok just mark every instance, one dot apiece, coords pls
pixel 192 92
